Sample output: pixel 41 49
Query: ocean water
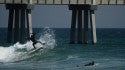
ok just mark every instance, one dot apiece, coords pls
pixel 108 53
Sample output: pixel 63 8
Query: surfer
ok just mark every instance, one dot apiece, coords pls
pixel 90 64
pixel 32 38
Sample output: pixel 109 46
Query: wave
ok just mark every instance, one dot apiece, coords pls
pixel 19 52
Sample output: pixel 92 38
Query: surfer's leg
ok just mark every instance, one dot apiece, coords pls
pixel 41 43
pixel 34 45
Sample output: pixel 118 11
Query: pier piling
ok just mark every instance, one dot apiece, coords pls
pixel 16 28
pixel 85 27
pixel 93 26
pixel 29 22
pixel 22 26
pixel 79 36
pixel 73 27
pixel 10 26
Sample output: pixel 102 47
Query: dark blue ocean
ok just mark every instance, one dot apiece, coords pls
pixel 108 53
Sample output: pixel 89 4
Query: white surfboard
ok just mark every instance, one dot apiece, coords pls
pixel 32 51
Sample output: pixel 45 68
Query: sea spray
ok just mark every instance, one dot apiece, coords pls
pixel 19 51
pixel 48 37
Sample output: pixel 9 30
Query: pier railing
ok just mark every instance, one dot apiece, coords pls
pixel 64 2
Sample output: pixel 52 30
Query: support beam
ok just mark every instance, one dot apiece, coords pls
pixel 29 22
pixel 79 36
pixel 16 28
pixel 85 27
pixel 73 27
pixel 93 26
pixel 10 26
pixel 22 26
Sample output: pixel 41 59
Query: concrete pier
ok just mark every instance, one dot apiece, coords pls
pixel 22 10
pixel 20 18
pixel 77 34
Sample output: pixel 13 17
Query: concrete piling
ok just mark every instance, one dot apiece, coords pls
pixel 93 26
pixel 10 26
pixel 79 36
pixel 73 27
pixel 85 27
pixel 22 26
pixel 29 22
pixel 17 27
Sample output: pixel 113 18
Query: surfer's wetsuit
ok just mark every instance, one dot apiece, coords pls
pixel 32 38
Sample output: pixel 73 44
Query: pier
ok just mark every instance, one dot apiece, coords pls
pixel 20 18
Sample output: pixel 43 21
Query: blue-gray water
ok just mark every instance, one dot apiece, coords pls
pixel 108 53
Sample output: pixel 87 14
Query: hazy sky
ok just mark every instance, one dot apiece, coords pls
pixel 60 17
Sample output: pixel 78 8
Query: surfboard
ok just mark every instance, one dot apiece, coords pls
pixel 32 51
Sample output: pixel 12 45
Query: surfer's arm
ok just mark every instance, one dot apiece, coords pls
pixel 41 43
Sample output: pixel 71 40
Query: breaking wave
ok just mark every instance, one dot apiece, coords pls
pixel 21 52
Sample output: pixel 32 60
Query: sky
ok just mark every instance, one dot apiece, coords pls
pixel 59 16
